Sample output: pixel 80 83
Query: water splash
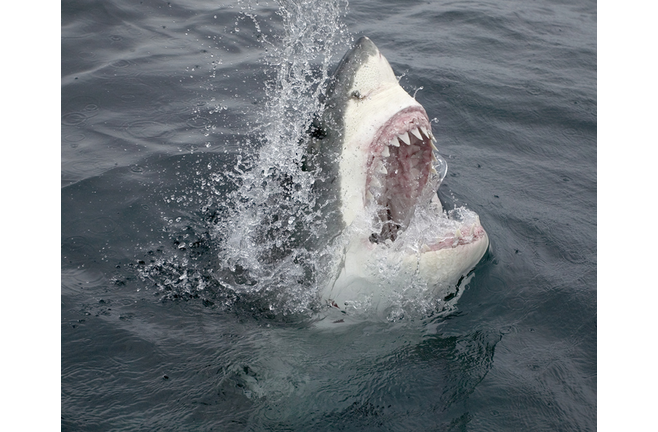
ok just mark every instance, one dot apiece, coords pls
pixel 277 247
pixel 266 240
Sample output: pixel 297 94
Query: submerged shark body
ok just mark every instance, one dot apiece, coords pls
pixel 375 152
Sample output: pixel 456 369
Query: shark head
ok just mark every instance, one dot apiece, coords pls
pixel 387 166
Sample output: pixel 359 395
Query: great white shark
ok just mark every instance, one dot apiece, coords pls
pixel 374 150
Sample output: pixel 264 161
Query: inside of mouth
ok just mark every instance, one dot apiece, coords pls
pixel 400 166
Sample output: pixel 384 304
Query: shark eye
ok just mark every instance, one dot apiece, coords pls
pixel 357 95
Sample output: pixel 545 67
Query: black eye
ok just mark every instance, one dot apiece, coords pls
pixel 357 95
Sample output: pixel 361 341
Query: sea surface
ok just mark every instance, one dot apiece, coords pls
pixel 173 315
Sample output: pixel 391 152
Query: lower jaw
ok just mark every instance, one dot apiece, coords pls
pixel 372 273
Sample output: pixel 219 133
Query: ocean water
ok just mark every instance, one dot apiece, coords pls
pixel 179 311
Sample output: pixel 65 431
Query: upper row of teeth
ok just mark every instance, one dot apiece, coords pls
pixel 405 137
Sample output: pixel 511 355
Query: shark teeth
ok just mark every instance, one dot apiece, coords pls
pixel 428 133
pixel 416 133
pixel 401 165
pixel 375 183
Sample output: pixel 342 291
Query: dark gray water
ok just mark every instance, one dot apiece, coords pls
pixel 166 106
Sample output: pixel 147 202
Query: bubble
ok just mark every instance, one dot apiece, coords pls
pixel 198 122
pixel 73 119
pixel 76 242
pixel 102 225
pixel 147 129
pixel 74 138
pixel 121 64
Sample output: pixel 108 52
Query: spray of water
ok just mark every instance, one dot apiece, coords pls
pixel 267 241
pixel 276 248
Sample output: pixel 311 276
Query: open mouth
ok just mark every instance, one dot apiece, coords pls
pixel 399 167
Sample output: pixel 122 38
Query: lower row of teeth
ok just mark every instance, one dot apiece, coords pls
pixel 459 234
